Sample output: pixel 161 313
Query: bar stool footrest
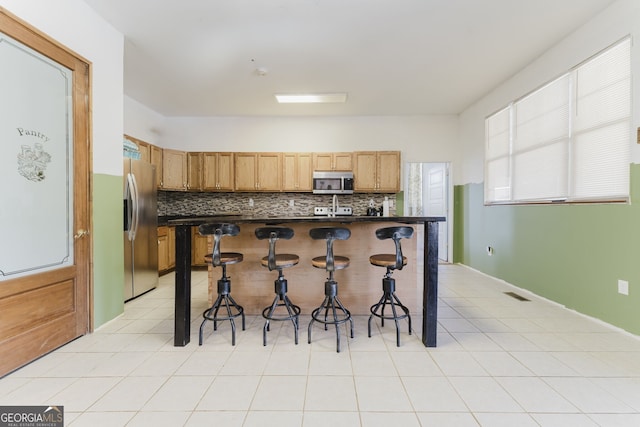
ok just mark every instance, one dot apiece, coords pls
pixel 334 314
pixel 377 310
pixel 233 311
pixel 281 317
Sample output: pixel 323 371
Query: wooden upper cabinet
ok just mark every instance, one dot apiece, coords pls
pixel 218 171
pixel 194 171
pixel 377 171
pixel 269 171
pixel 332 161
pixel 297 172
pixel 364 172
pixel 246 171
pixel 155 155
pixel 143 148
pixel 258 171
pixel 149 153
pixel 174 170
pixel 388 171
pixel 374 171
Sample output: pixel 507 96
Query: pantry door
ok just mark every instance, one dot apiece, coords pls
pixel 45 257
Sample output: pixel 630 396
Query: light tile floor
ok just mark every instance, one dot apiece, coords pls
pixel 499 362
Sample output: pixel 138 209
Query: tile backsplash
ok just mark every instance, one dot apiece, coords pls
pixel 264 204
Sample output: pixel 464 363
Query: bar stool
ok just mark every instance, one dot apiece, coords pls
pixel 331 263
pixel 222 259
pixel 278 262
pixel 391 262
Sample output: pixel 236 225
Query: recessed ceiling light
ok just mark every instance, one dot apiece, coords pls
pixel 309 98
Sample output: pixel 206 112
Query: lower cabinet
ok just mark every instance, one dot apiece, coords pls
pixel 198 248
pixel 167 249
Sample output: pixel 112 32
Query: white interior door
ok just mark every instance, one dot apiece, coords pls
pixel 428 193
pixel 436 202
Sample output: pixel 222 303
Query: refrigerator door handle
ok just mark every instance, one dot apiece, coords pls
pixel 128 219
pixel 133 209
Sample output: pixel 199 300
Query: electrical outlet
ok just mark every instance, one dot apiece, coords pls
pixel 623 287
pixel 291 203
pixel 250 203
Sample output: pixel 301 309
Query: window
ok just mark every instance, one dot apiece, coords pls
pixel 568 141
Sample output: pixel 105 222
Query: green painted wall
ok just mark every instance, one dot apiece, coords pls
pixel 573 255
pixel 108 260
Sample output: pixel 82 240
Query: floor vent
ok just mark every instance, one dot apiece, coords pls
pixel 516 296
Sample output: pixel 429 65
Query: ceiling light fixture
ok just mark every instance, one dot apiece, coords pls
pixel 310 98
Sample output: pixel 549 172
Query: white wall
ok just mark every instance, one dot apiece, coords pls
pixel 76 26
pixel 617 21
pixel 419 138
pixel 142 122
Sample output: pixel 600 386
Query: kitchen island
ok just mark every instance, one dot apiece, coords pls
pixel 361 286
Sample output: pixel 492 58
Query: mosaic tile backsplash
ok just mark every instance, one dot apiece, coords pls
pixel 264 204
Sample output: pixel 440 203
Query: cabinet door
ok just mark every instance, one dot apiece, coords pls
pixel 322 161
pixel 332 161
pixel 174 169
pixel 209 171
pixel 269 171
pixel 246 171
pixel 217 171
pixel 365 171
pixel 198 248
pixel 304 172
pixel 155 154
pixel 296 172
pixel 171 246
pixel 194 171
pixel 225 171
pixel 163 248
pixel 145 152
pixel 143 148
pixel 388 171
pixel 289 172
pixel 343 161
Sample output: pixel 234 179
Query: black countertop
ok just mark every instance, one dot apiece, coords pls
pixel 164 219
pixel 240 219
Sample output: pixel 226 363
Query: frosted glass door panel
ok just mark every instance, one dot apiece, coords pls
pixel 36 162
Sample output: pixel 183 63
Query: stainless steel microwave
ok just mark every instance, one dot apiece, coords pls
pixel 332 182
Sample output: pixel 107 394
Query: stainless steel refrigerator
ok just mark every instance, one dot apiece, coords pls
pixel 140 228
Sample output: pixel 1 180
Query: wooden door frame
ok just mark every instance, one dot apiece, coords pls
pixel 24 33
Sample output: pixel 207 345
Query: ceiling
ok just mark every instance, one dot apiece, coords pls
pixel 392 57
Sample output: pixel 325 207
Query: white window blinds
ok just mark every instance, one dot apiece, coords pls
pixel 567 141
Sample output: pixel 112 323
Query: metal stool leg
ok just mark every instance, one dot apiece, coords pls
pixel 293 315
pixel 280 300
pixel 224 299
pixel 389 297
pixel 331 303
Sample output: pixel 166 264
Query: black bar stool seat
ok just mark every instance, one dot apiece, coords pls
pixel 278 262
pixel 231 309
pixel 391 262
pixel 331 263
